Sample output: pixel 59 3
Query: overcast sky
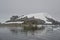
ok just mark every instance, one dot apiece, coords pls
pixel 21 7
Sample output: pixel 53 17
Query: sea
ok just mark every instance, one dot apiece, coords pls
pixel 17 33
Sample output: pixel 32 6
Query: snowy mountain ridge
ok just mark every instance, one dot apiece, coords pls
pixel 39 16
pixel 33 16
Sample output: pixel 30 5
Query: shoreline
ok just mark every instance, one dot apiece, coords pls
pixel 19 25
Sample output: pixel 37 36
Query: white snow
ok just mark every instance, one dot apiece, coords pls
pixel 40 16
pixel 36 15
pixel 13 22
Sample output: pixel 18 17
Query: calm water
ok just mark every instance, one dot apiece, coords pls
pixel 7 33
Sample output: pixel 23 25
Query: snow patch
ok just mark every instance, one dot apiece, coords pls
pixel 40 16
pixel 13 22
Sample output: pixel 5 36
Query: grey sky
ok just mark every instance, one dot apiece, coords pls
pixel 19 7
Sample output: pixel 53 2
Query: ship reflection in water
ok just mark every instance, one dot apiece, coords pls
pixel 19 33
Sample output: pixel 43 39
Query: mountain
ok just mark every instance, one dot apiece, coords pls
pixel 40 16
pixel 37 17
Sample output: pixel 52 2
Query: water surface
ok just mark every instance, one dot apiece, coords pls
pixel 6 33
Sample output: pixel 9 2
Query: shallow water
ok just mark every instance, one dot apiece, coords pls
pixel 6 33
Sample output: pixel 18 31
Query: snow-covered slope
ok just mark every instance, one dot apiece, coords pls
pixel 40 16
pixel 37 16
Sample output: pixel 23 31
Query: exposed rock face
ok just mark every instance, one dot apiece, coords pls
pixel 33 20
pixel 13 19
pixel 52 20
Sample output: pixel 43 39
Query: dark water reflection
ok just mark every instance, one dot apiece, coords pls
pixel 16 33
